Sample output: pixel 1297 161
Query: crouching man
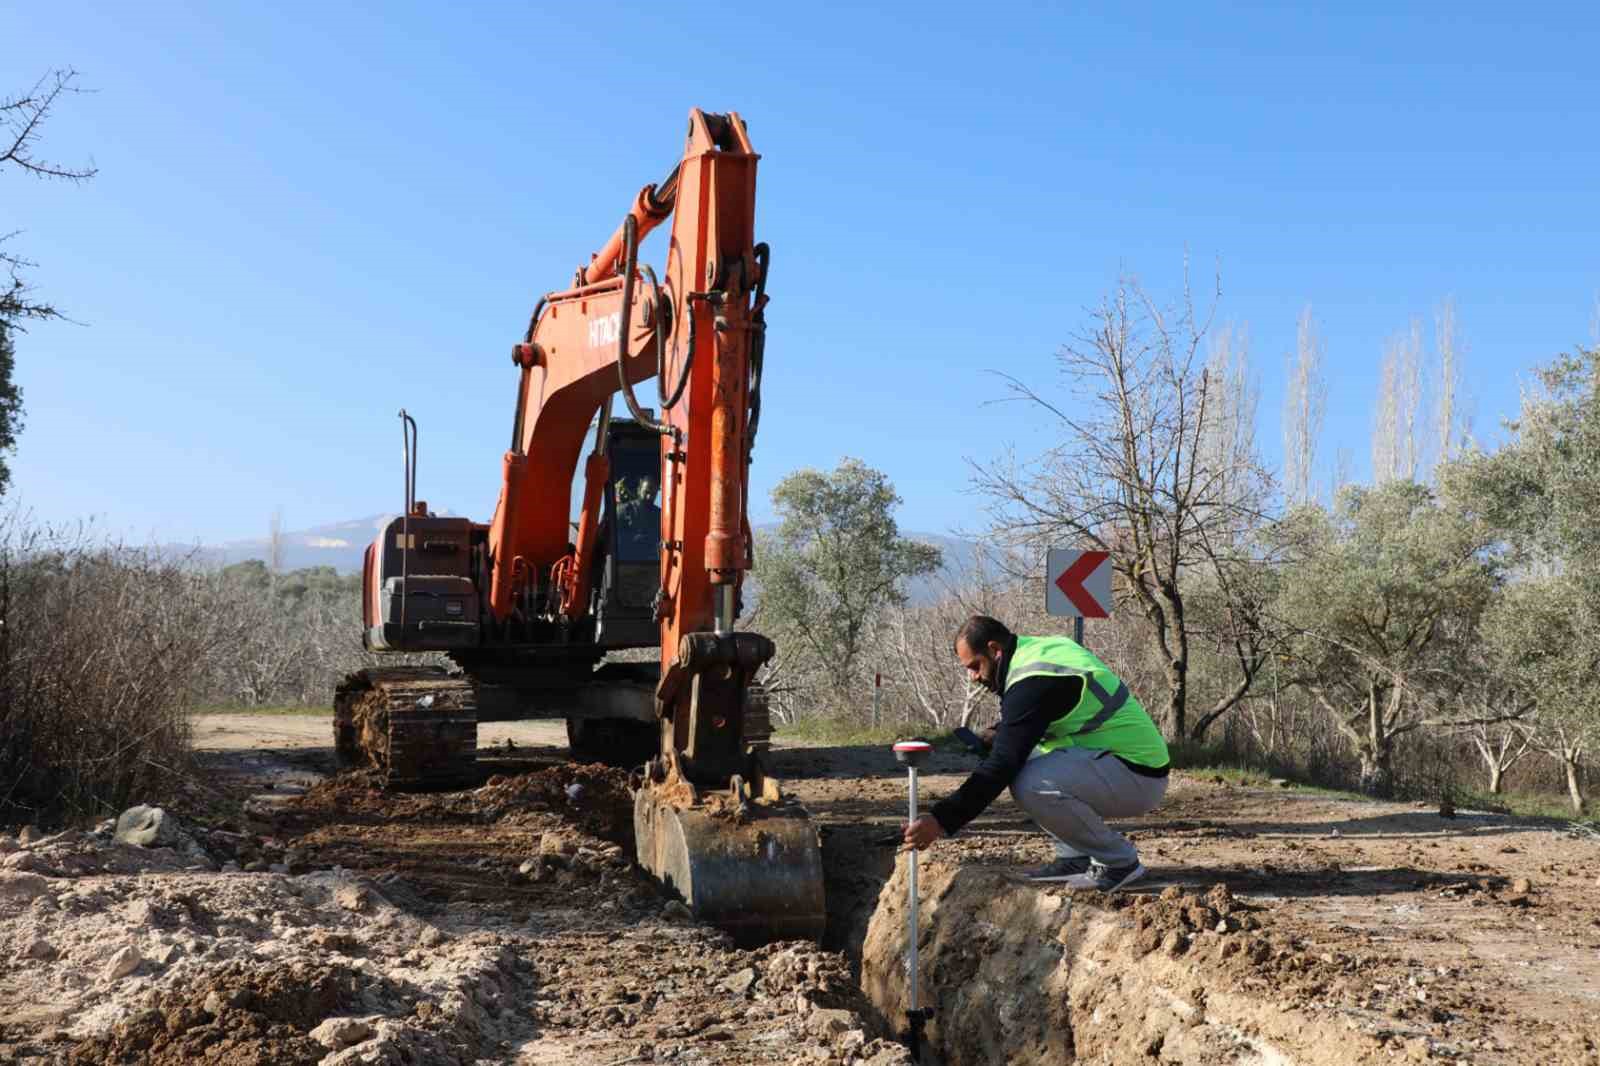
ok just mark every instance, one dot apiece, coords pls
pixel 1074 746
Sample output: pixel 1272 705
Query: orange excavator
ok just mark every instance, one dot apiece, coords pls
pixel 528 609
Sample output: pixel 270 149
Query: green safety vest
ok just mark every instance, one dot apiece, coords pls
pixel 1106 716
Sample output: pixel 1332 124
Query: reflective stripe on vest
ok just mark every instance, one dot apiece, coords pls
pixel 1106 716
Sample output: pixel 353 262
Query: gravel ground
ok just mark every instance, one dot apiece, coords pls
pixel 287 914
pixel 291 916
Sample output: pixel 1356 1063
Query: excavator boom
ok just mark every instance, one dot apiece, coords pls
pixel 711 822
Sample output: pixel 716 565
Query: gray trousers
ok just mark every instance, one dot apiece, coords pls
pixel 1070 793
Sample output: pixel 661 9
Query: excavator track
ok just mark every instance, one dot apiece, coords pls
pixel 418 726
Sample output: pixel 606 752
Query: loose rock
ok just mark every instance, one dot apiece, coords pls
pixel 350 897
pixel 851 1042
pixel 556 844
pixel 22 887
pixel 339 1033
pixel 741 983
pixel 123 963
pixel 828 1022
pixel 22 860
pixel 148 827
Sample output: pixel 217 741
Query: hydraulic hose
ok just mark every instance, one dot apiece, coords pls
pixel 630 233
pixel 668 403
pixel 758 345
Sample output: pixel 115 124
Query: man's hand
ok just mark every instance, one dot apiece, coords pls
pixel 922 832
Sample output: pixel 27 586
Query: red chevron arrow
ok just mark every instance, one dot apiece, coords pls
pixel 1071 584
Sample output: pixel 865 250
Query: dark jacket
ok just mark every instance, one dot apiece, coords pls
pixel 1026 711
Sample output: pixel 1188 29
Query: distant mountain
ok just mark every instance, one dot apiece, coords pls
pixel 960 560
pixel 341 545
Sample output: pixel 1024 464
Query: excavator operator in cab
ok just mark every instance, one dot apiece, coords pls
pixel 1074 746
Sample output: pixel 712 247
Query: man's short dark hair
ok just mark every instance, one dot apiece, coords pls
pixel 978 631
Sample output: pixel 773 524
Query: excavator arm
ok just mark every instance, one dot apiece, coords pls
pixel 699 330
pixel 710 820
pixel 512 604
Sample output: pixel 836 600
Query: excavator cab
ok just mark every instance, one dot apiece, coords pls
pixel 628 569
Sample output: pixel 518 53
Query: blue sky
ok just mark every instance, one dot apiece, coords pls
pixel 309 217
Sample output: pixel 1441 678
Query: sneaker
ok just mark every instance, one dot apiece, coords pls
pixel 1059 870
pixel 1102 878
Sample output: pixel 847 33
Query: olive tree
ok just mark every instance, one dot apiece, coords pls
pixel 1381 598
pixel 834 564
pixel 1542 630
pixel 1541 493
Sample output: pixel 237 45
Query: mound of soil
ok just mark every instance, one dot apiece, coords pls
pixel 236 1016
pixel 1026 973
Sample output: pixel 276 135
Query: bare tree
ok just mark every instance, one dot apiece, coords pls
pixel 1304 406
pixel 1228 432
pixel 22 120
pixel 923 667
pixel 1343 462
pixel 1395 450
pixel 1501 747
pixel 1448 344
pixel 1569 739
pixel 275 542
pixel 1139 470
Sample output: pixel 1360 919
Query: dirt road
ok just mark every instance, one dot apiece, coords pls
pixel 298 732
pixel 307 916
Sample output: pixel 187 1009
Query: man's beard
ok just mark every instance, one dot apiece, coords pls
pixel 992 682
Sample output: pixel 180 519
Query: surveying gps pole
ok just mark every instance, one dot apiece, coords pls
pixel 912 754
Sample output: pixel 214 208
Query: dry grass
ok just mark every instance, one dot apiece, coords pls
pixel 102 648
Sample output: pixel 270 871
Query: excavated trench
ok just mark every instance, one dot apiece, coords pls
pixel 1029 974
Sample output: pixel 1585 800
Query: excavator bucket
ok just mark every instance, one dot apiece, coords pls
pixel 752 867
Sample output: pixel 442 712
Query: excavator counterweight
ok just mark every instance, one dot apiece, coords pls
pixel 530 605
